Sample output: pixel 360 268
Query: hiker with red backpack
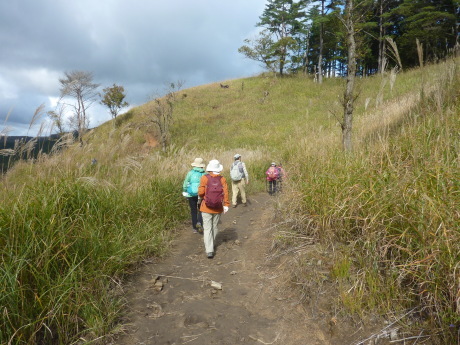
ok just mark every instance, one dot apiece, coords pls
pixel 190 191
pixel 213 191
pixel 272 178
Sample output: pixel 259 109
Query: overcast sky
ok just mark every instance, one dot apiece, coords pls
pixel 140 44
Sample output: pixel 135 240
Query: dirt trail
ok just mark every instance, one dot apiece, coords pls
pixel 171 301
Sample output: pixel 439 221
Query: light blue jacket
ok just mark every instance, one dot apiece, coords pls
pixel 192 181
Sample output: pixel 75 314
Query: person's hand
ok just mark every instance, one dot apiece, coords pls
pixel 225 209
pixel 185 194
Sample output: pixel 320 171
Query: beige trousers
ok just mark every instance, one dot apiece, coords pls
pixel 210 221
pixel 238 187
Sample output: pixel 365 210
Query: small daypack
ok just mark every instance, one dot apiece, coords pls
pixel 272 173
pixel 236 172
pixel 194 182
pixel 214 194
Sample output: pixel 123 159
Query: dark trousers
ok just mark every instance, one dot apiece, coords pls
pixel 196 215
pixel 279 185
pixel 272 187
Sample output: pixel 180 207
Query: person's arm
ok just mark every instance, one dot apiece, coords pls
pixel 246 175
pixel 225 188
pixel 202 186
pixel 186 182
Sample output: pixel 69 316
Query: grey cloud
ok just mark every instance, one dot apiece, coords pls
pixel 22 111
pixel 142 45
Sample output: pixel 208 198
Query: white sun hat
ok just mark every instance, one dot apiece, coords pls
pixel 214 166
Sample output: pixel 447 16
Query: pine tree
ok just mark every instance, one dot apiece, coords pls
pixel 284 19
pixel 433 22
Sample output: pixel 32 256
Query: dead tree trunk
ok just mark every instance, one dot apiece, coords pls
pixel 348 100
pixel 305 55
pixel 321 44
pixel 382 33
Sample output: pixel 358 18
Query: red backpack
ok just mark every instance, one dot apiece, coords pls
pixel 214 195
pixel 272 173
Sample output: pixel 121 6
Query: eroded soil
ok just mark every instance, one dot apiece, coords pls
pixel 177 300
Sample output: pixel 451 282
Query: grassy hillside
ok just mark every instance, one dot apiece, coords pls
pixel 387 216
pixel 70 228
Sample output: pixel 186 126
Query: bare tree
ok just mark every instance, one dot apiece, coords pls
pixel 160 112
pixel 79 85
pixel 321 45
pixel 349 96
pixel 57 117
pixel 382 33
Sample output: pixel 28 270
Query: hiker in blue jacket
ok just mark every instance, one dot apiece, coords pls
pixel 190 191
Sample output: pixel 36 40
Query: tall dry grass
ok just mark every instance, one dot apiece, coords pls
pixel 69 230
pixel 387 216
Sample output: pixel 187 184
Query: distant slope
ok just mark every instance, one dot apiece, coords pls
pixel 7 143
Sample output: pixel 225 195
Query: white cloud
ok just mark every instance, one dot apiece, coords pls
pixel 41 80
pixel 53 101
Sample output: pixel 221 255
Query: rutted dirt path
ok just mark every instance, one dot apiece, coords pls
pixel 172 301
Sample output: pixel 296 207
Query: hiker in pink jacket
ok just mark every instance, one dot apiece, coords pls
pixel 272 178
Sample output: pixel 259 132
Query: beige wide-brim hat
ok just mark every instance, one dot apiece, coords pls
pixel 214 166
pixel 198 162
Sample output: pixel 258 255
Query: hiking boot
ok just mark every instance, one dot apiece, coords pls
pixel 195 231
pixel 210 255
pixel 244 205
pixel 199 227
pixel 233 206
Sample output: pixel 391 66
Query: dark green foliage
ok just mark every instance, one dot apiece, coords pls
pixel 433 22
pixel 292 37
